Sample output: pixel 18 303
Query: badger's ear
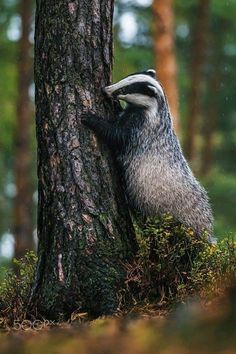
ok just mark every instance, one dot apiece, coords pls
pixel 153 90
pixel 151 72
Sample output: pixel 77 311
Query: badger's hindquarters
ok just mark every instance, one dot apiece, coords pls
pixel 155 188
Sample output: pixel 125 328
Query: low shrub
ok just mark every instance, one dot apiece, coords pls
pixel 171 265
pixel 174 263
pixel 15 288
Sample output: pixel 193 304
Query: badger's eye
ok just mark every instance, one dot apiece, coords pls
pixel 120 92
pixel 153 90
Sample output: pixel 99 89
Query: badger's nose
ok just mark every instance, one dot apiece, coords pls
pixel 105 90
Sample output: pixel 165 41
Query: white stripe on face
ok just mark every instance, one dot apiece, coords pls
pixel 132 80
pixel 138 99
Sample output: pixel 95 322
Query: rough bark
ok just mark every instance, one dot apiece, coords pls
pixel 84 227
pixel 198 59
pixel 165 54
pixel 22 220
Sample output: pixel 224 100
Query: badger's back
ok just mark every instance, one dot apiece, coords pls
pixel 158 179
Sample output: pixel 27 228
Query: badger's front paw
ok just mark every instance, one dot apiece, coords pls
pixel 89 119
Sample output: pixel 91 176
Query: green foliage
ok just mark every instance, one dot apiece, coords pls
pixel 174 263
pixel 222 190
pixel 14 289
pixel 214 267
pixel 9 58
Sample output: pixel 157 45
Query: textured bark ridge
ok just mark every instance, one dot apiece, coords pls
pixel 84 228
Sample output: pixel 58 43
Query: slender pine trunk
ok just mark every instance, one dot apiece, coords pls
pixel 209 123
pixel 22 210
pixel 199 48
pixel 208 135
pixel 165 54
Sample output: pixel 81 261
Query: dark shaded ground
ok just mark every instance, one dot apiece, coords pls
pixel 192 328
pixel 175 267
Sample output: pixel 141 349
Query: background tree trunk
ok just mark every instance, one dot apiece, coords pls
pixel 198 59
pixel 210 118
pixel 164 46
pixel 22 224
pixel 209 126
pixel 84 227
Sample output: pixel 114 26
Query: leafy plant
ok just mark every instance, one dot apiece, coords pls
pixel 174 263
pixel 14 289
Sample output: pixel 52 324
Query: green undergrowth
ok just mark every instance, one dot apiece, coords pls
pixel 15 288
pixel 172 265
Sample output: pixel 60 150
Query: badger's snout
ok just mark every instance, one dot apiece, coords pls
pixel 107 90
pixel 104 90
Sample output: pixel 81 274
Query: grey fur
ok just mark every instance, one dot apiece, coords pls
pixel 157 177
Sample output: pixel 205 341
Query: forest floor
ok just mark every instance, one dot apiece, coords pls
pixel 191 328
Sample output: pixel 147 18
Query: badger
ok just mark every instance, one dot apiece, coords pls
pixel 157 178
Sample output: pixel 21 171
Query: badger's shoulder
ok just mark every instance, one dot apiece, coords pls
pixel 131 120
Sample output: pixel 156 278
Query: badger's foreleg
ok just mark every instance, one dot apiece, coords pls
pixel 108 131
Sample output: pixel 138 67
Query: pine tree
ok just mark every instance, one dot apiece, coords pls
pixel 84 228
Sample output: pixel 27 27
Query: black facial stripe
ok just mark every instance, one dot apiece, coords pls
pixel 137 87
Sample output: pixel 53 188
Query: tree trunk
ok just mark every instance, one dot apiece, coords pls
pixel 198 60
pixel 22 224
pixel 210 118
pixel 165 54
pixel 208 135
pixel 84 227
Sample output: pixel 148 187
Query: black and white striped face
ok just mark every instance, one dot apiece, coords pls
pixel 140 89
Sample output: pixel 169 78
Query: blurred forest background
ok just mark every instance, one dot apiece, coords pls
pixel 192 45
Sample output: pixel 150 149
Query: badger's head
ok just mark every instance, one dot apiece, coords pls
pixel 140 89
